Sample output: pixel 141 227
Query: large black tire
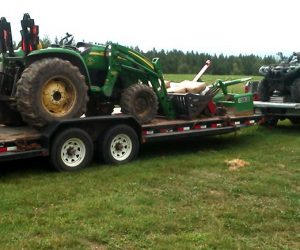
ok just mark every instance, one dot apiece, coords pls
pixel 119 145
pixel 49 90
pixel 269 122
pixel 264 91
pixel 71 150
pixel 140 101
pixel 295 120
pixel 295 91
pixel 9 116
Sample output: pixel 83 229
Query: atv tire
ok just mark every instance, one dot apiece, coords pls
pixel 295 120
pixel 140 101
pixel 295 91
pixel 264 91
pixel 49 90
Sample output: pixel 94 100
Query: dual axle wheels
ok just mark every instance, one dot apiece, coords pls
pixel 73 149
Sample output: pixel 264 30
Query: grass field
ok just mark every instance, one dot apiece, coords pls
pixel 177 195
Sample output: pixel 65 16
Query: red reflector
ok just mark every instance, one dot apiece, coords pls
pixel 247 122
pixel 2 150
pixel 197 126
pixel 180 129
pixel 246 89
pixel 214 125
pixel 211 107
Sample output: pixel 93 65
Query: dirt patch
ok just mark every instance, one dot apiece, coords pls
pixel 236 164
pixel 216 193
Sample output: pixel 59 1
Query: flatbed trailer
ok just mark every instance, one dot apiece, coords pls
pixel 71 144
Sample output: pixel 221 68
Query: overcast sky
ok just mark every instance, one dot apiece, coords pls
pixel 211 26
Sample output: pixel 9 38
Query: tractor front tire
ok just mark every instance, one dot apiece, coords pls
pixel 49 90
pixel 295 91
pixel 140 101
pixel 264 90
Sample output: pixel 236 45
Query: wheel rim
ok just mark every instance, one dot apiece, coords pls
pixel 121 147
pixel 73 152
pixel 58 96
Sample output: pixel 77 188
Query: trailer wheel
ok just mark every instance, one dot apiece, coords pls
pixel 119 145
pixel 71 150
pixel 140 101
pixel 295 90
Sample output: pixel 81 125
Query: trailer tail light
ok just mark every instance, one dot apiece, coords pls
pixel 247 89
pixel 255 97
pixel 198 126
pixel 148 132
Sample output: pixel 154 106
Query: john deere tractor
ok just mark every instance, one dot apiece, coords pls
pixel 64 81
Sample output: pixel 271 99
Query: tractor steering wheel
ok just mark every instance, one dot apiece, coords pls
pixel 67 40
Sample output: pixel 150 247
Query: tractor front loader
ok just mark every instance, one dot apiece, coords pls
pixel 38 86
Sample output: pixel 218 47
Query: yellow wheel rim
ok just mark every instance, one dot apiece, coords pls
pixel 58 96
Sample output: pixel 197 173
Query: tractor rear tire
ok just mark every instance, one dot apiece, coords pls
pixel 49 90
pixel 295 91
pixel 140 101
pixel 264 90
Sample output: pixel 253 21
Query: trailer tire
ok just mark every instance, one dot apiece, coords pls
pixel 119 145
pixel 71 150
pixel 49 90
pixel 140 101
pixel 264 91
pixel 295 91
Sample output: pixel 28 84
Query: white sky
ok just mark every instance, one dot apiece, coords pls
pixel 211 26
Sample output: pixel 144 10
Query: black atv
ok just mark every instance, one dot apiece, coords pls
pixel 281 80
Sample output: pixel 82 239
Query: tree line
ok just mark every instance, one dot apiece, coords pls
pixel 176 61
pixel 179 62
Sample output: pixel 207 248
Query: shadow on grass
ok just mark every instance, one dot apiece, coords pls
pixel 187 146
pixel 38 165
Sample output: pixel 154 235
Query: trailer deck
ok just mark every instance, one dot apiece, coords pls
pixel 26 142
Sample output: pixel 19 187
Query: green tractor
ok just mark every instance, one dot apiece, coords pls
pixel 38 86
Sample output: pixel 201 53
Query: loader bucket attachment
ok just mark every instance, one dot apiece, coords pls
pixel 30 34
pixel 6 44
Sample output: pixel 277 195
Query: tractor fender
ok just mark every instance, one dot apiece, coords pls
pixel 65 54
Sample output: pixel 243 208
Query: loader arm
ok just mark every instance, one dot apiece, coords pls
pixel 121 59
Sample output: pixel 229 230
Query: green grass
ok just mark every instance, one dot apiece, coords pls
pixel 176 195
